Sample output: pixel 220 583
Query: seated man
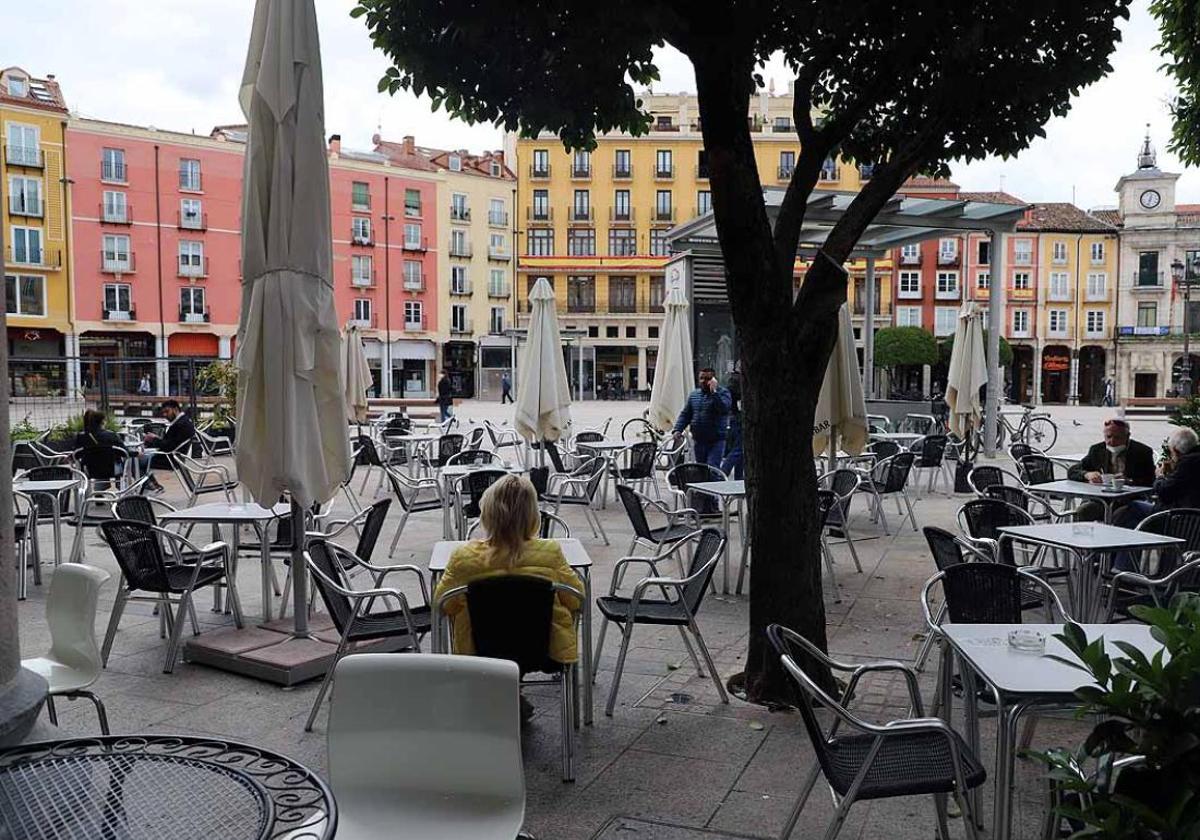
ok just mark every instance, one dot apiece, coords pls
pixel 1178 482
pixel 1116 454
pixel 179 434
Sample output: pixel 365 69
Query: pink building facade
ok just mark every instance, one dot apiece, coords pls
pixel 156 219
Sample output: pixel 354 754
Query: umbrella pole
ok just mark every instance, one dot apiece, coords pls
pixel 299 571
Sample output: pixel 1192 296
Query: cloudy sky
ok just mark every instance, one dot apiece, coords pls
pixel 175 64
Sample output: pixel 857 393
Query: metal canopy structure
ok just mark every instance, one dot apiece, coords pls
pixel 904 220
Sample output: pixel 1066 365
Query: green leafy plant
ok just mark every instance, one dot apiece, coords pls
pixel 74 425
pixel 220 378
pixel 946 347
pixel 1149 707
pixel 24 430
pixel 896 346
pixel 1187 414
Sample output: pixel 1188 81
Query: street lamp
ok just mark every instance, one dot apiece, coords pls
pixel 1179 274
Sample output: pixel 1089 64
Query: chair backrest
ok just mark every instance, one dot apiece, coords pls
pixel 368 533
pixel 1019 450
pixel 883 449
pixel 932 449
pixel 512 618
pixel 944 546
pixel 475 438
pixel 473 456
pixel 447 446
pixel 632 500
pixel 102 463
pixel 983 518
pixel 844 482
pixel 589 437
pixel 641 460
pixel 984 476
pixel 431 727
pixel 555 456
pixel 24 456
pixel 982 593
pixel 879 422
pixel 918 424
pixel 324 558
pixel 368 454
pixel 71 616
pixel 1183 523
pixel 683 476
pixel 706 553
pixel 474 485
pixel 136 509
pixel 594 469
pixel 136 547
pixel 789 644
pixel 553 527
pixel 1036 469
pixel 397 425
pixel 49 473
pixel 892 474
pixel 826 501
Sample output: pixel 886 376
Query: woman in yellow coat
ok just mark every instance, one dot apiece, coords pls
pixel 509 514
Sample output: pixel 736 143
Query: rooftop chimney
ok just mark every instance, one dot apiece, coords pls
pixel 410 144
pixel 335 144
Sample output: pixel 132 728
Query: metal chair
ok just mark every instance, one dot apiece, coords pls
pixel 948 550
pixel 578 489
pixel 473 456
pixel 681 600
pixel 511 618
pixel 468 495
pixel 408 493
pixel 844 483
pixel 827 501
pixel 195 477
pixel 918 424
pixel 25 520
pixel 679 482
pixel 910 757
pixel 883 449
pixel 639 468
pixel 551 527
pixel 139 550
pixel 214 446
pixel 1036 469
pixel 96 507
pixel 656 539
pixel 980 520
pixel 502 438
pixel 890 478
pixel 350 609
pixel 930 454
pixel 879 423
pixel 1178 568
pixel 983 476
pixel 1018 450
pixel 73 662
pixel 445 447
pixel 1037 507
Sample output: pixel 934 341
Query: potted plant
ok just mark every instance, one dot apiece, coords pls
pixel 62 436
pixel 220 380
pixel 1147 707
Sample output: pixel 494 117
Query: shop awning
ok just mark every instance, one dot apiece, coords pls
pixel 192 344
pixel 414 349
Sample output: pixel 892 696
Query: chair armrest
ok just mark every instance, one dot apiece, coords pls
pixel 910 681
pixel 1150 583
pixel 382 572
pixel 619 568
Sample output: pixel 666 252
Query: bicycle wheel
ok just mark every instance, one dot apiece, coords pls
pixel 1041 432
pixel 639 429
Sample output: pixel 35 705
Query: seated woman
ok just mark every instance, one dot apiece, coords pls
pixel 95 446
pixel 509 514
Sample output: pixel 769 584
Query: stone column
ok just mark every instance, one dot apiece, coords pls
pixel 161 366
pixel 868 335
pixel 71 348
pixel 225 347
pixel 1037 373
pixel 21 692
pixel 926 380
pixel 641 368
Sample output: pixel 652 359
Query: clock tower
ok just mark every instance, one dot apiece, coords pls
pixel 1147 195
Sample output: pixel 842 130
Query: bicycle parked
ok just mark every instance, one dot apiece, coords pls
pixel 1033 428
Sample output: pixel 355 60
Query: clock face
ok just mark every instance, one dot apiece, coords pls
pixel 1150 199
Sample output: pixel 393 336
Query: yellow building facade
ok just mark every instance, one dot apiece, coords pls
pixel 594 224
pixel 36 236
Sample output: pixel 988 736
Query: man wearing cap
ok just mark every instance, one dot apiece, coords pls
pixel 1117 454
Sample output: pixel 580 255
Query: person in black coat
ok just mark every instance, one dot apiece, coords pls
pixel 178 435
pixel 96 447
pixel 445 398
pixel 1118 454
pixel 1177 486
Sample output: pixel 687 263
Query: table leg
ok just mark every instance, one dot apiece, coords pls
pixel 725 550
pixel 216 533
pixel 586 658
pixel 445 508
pixel 265 556
pixel 57 530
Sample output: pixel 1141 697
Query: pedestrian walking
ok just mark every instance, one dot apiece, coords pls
pixel 705 413
pixel 144 385
pixel 444 398
pixel 505 388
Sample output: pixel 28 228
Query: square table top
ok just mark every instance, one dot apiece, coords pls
pixel 1089 536
pixel 573 550
pixel 48 486
pixel 898 437
pixel 454 470
pixel 226 512
pixel 1087 490
pixel 418 437
pixel 606 445
pixel 720 488
pixel 1017 672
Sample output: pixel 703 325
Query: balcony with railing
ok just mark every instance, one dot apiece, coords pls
pixel 664 172
pixel 581 171
pixel 367 323
pixel 948 293
pixel 465 326
pixel 910 259
pixel 539 214
pixel 190 315
pixel 701 172
pixel 460 249
pixel 1020 293
pixel 1096 295
pixel 116 263
pixel 363 280
pixel 499 253
pixel 113 172
pixel 33 258
pixel 539 172
pixel 362 240
pixel 580 214
pixel 830 173
pixel 23 205
pixel 946 258
pixel 191 221
pixel 622 172
pixel 29 157
pixel 621 215
pixel 499 290
pixel 461 288
pixel 127 314
pixel 414 325
pixel 414 282
pixel 460 213
pixel 1147 281
pixel 498 218
pixel 190 269
pixel 421 244
pixel 1022 258
pixel 1058 332
pixel 663 214
pixel 1059 295
pixel 112 214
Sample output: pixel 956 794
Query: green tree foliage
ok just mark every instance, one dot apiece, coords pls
pixel 946 347
pixel 906 84
pixel 1179 22
pixel 905 346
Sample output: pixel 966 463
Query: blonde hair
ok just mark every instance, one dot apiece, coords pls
pixel 509 513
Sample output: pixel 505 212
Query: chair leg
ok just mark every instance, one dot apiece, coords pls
pixel 712 669
pixel 399 531
pixel 939 808
pixel 691 652
pixel 599 647
pixel 813 773
pixel 912 516
pixel 176 632
pixel 101 712
pixel 338 654
pixel 828 555
pixel 567 715
pixel 235 600
pixel 113 620
pixel 626 635
pixel 839 818
pixel 51 711
pixel 927 645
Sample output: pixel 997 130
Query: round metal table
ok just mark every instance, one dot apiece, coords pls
pixel 132 787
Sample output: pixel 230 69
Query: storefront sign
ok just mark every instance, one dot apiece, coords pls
pixel 1143 330
pixel 1056 364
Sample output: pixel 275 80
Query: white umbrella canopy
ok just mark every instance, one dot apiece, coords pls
pixel 967 373
pixel 673 370
pixel 543 407
pixel 841 408
pixel 356 374
pixel 292 435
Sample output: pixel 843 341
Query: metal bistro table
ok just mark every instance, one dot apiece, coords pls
pixel 577 559
pixel 1090 543
pixel 1068 489
pixel 53 490
pixel 1020 681
pixel 905 439
pixel 151 787
pixel 608 450
pixel 237 515
pixel 409 441
pixel 726 492
pixel 450 476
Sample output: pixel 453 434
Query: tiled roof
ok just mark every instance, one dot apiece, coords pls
pixel 408 154
pixel 398 156
pixel 1064 217
pixel 926 183
pixel 39 93
pixel 1108 215
pixel 991 197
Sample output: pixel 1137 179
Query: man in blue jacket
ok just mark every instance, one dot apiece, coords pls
pixel 706 412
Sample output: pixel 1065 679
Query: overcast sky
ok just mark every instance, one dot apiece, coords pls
pixel 175 64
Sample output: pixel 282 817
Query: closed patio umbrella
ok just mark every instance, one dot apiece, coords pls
pixel 841 409
pixel 290 393
pixel 967 373
pixel 543 407
pixel 356 374
pixel 673 371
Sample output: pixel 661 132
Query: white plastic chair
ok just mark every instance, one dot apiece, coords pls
pixel 428 744
pixel 73 662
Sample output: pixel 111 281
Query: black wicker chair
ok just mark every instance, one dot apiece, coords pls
pixel 914 757
pixel 681 600
pixel 678 523
pixel 1035 506
pixel 827 501
pixel 351 610
pixel 139 550
pixel 444 448
pixel 579 489
pixel 890 478
pixel 408 492
pixel 680 480
pixel 473 456
pixel 983 476
pixel 883 449
pixel 25 519
pixel 1036 469
pixel 1178 568
pixel 468 495
pixel 930 452
pixel 845 483
pixel 639 469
